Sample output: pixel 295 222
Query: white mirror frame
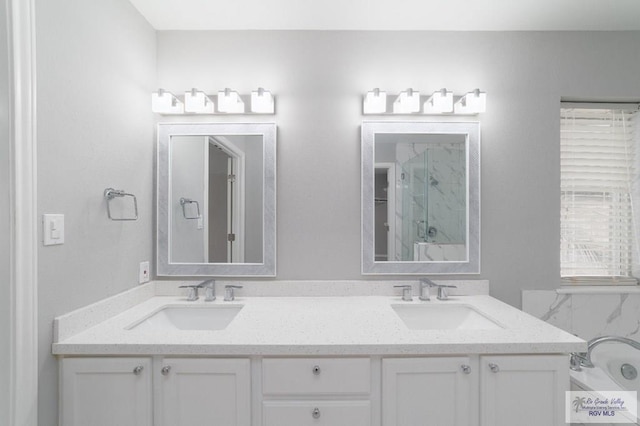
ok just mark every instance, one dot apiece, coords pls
pixel 472 132
pixel 163 238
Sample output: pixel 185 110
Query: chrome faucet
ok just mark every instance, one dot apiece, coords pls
pixel 209 290
pixel 229 294
pixel 426 284
pixel 583 359
pixel 406 292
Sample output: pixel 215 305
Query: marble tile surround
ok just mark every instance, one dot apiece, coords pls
pixel 589 312
pixel 439 252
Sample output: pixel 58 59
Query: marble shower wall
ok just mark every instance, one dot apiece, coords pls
pixel 447 194
pixel 587 314
pixel 430 194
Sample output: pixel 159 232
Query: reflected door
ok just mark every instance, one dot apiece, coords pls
pixel 208 189
pixel 220 205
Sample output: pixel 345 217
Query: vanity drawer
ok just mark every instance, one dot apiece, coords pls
pixel 315 376
pixel 317 413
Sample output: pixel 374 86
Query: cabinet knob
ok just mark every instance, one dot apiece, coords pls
pixel 494 367
pixel 165 370
pixel 316 370
pixel 138 370
pixel 466 369
pixel 315 413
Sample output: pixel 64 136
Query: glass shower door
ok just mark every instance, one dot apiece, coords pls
pixel 415 203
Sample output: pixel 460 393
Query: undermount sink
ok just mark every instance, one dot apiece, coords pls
pixel 215 317
pixel 444 317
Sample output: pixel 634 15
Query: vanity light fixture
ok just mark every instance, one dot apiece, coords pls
pixel 408 102
pixel 198 102
pixel 262 101
pixel 472 103
pixel 164 102
pixel 375 102
pixel 229 101
pixel 440 102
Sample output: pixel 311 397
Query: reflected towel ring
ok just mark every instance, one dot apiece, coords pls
pixel 183 202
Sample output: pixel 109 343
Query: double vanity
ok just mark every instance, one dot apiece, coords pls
pixel 151 357
pixel 352 353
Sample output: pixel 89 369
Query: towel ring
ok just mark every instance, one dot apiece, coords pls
pixel 110 194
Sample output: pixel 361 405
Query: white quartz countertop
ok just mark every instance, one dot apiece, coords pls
pixel 285 326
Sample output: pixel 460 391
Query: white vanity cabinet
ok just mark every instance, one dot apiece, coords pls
pixel 203 391
pixel 108 391
pixel 429 391
pixel 527 390
pixel 491 390
pixel 316 392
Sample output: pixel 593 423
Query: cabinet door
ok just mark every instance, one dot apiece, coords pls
pixel 106 392
pixel 204 392
pixel 523 390
pixel 429 392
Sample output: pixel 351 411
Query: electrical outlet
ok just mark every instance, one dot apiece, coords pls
pixel 143 274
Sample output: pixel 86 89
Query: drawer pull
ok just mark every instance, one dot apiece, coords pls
pixel 494 367
pixel 316 370
pixel 165 370
pixel 315 413
pixel 466 369
pixel 138 370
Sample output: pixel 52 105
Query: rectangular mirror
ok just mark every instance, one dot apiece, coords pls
pixel 216 199
pixel 420 198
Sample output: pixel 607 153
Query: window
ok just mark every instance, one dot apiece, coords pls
pixel 597 167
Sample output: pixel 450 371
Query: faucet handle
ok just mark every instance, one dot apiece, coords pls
pixel 229 295
pixel 406 292
pixel 192 296
pixel 442 291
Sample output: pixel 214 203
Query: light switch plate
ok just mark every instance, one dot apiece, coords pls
pixel 52 229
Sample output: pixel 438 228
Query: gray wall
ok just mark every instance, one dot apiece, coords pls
pixel 96 70
pixel 5 224
pixel 319 79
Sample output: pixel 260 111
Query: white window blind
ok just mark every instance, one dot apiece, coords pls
pixel 597 166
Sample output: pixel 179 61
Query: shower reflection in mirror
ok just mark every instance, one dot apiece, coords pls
pixel 420 197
